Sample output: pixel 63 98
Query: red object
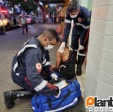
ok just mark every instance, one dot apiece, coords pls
pixel 39 67
pixel 26 80
pixel 58 29
pixel 3 11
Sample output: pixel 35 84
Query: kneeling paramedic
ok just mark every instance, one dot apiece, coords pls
pixel 28 66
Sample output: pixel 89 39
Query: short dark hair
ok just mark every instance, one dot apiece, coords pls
pixel 73 6
pixel 51 34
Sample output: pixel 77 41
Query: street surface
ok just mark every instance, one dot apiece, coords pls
pixel 9 45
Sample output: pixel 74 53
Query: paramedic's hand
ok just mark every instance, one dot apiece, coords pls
pixel 54 76
pixel 61 48
pixel 58 93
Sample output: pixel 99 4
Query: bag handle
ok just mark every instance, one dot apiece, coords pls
pixel 65 97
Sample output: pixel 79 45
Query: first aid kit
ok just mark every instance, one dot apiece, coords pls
pixel 70 93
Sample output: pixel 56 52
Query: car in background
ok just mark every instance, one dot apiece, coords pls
pixel 39 19
pixel 30 19
pixel 2 28
pixel 5 24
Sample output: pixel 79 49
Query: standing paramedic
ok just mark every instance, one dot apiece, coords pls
pixel 28 66
pixel 81 17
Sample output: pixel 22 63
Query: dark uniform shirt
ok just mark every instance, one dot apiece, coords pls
pixel 30 62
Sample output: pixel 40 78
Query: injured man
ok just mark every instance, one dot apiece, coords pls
pixel 65 63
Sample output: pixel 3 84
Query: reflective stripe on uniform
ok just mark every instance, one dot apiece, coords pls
pixel 79 24
pixel 80 54
pixel 86 27
pixel 41 85
pixel 15 66
pixel 22 50
pixel 17 74
pixel 47 63
pixel 67 21
pixel 44 61
pixel 25 47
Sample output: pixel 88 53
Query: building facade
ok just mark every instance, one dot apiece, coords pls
pixel 86 3
pixel 99 69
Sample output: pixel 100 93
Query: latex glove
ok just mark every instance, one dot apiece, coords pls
pixel 54 76
pixel 59 92
pixel 61 48
pixel 81 47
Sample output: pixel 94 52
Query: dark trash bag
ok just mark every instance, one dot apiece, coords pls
pixel 68 98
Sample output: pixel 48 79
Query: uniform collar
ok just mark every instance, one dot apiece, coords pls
pixel 38 43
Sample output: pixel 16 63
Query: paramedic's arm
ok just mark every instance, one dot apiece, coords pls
pixel 34 74
pixel 66 33
pixel 86 27
pixel 47 65
pixel 67 27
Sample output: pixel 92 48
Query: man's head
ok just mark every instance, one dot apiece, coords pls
pixel 48 37
pixel 73 8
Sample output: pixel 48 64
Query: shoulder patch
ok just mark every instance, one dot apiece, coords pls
pixel 88 19
pixel 80 19
pixel 38 66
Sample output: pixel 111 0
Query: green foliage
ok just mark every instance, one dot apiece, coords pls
pixel 89 4
pixel 52 9
pixel 27 6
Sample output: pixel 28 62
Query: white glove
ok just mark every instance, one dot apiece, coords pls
pixel 54 76
pixel 61 48
pixel 81 47
pixel 58 94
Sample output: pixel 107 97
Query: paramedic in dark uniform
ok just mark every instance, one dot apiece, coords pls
pixel 28 66
pixel 81 17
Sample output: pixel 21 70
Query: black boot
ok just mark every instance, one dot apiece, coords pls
pixel 11 96
pixel 79 65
